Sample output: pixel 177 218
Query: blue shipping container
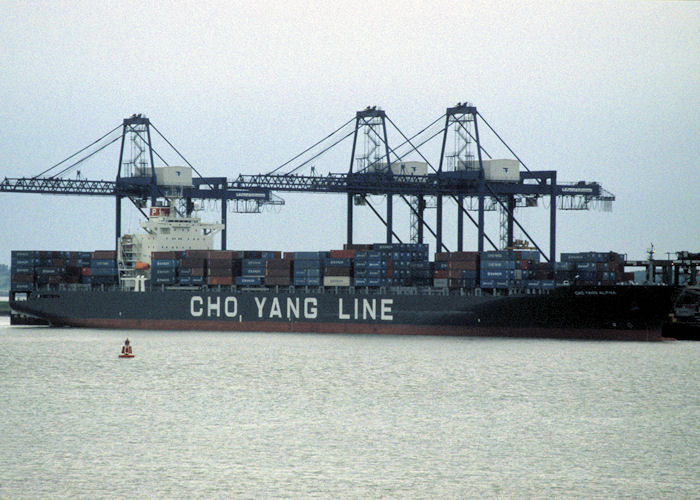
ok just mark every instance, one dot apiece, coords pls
pixel 248 280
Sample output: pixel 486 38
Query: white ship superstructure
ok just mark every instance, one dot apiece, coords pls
pixel 164 230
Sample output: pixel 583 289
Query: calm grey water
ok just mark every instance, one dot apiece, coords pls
pixel 342 416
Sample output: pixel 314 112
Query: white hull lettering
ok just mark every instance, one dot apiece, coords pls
pixel 196 306
pixel 366 309
pixel 260 303
pixel 213 306
pixel 341 314
pixel 385 307
pixel 231 307
pixel 310 308
pixel 369 308
pixel 275 310
pixel 293 308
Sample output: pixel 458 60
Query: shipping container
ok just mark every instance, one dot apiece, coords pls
pixel 278 272
pixel 220 280
pixel 164 263
pixel 342 254
pixel 337 271
pixel 498 255
pixel 440 282
pixel 497 264
pixel 167 255
pixel 104 255
pixel 219 272
pixel 278 280
pixel 497 274
pixel 336 280
pixel 103 263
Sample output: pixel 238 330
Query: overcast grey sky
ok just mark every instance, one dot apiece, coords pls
pixel 601 91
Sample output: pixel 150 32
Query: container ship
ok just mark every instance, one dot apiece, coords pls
pixel 170 278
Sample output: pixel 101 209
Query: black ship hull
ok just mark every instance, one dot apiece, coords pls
pixel 602 313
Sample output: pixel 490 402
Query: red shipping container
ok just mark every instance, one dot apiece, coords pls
pixel 336 271
pixel 197 271
pixel 164 255
pixel 192 261
pixel 442 256
pixel 462 265
pixel 278 273
pixel 104 255
pixel 278 264
pixel 221 255
pixel 22 278
pixel 220 280
pixel 441 273
pixel 202 254
pixel 343 254
pixel 466 256
pixel 220 272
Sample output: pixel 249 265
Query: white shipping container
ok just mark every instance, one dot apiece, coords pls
pixel 173 176
pixel 337 281
pixel 440 282
pixel 502 170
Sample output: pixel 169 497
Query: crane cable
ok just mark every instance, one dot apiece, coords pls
pixel 76 153
pixel 311 147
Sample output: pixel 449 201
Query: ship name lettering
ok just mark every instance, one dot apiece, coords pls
pixel 213 307
pixel 293 310
pixel 368 308
pixel 227 311
pixel 196 304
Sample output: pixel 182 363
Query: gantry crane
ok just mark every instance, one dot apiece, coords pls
pixel 463 175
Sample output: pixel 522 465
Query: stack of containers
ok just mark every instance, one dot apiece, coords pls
pixel 308 267
pixel 252 269
pixel 535 274
pixel 278 271
pixel 440 268
pixel 592 268
pixel 392 264
pixel 192 268
pixel 51 269
pixel 456 269
pixel 220 267
pixel 103 267
pixel 371 268
pixel 337 271
pixel 498 269
pixel 77 261
pixel 22 264
pixel 514 268
pixel 408 262
pixel 164 268
pixel 420 267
